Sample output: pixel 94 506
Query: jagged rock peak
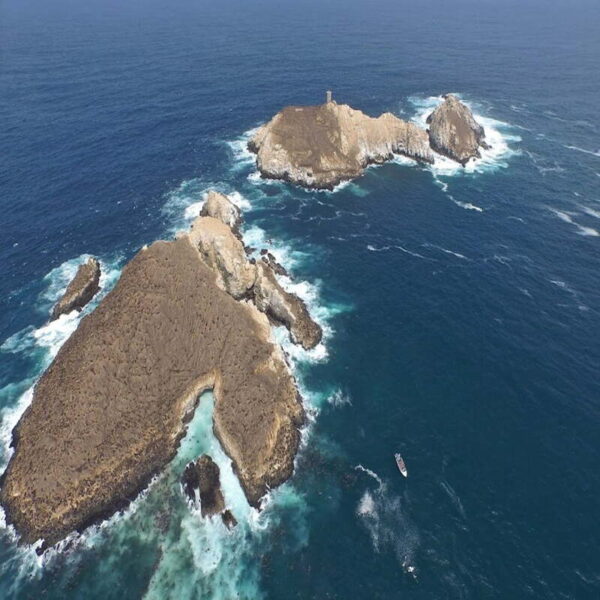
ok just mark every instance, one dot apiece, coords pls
pixel 82 288
pixel 454 132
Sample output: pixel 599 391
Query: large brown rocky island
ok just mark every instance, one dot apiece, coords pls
pixel 321 146
pixel 186 315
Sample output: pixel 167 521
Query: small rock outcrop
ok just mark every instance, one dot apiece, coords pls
pixel 271 261
pixel 203 475
pixel 283 307
pixel 218 206
pixel 321 146
pixel 228 518
pixel 83 287
pixel 454 132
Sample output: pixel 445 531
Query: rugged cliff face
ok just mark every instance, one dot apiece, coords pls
pixel 320 146
pixel 110 410
pixel 454 132
pixel 81 290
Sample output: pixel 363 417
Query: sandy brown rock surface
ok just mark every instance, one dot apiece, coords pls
pixel 110 410
pixel 454 132
pixel 320 146
pixel 82 288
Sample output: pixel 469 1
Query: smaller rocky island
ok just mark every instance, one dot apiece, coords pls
pixel 83 287
pixel 454 132
pixel 322 146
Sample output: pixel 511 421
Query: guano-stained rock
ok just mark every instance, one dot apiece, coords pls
pixel 82 288
pixel 454 132
pixel 321 146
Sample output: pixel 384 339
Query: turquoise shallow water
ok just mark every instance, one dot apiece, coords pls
pixel 460 307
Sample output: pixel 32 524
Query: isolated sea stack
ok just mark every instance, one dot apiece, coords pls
pixel 203 476
pixel 321 146
pixel 454 132
pixel 83 287
pixel 111 409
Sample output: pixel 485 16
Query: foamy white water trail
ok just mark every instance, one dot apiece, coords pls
pixel 388 526
pixel 567 217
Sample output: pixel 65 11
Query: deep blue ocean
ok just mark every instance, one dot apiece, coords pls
pixel 461 307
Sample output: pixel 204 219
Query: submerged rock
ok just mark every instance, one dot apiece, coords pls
pixel 218 206
pixel 320 146
pixel 83 287
pixel 111 408
pixel 454 132
pixel 203 475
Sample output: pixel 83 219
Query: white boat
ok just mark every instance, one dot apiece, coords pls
pixel 400 463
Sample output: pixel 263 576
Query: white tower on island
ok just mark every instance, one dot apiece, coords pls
pixel 329 96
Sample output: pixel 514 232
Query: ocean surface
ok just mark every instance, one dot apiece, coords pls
pixel 461 308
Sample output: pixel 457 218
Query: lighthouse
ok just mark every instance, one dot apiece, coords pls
pixel 329 96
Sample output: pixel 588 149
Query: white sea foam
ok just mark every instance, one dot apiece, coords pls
pixel 242 157
pixel 567 217
pixel 584 150
pixel 591 211
pixel 446 251
pixel 339 398
pixel 372 248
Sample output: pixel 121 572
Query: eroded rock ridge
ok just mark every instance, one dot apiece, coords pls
pixel 82 288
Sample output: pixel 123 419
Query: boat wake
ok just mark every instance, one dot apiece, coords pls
pixel 389 527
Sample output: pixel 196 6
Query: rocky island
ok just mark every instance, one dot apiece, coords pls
pixel 186 315
pixel 454 132
pixel 321 146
